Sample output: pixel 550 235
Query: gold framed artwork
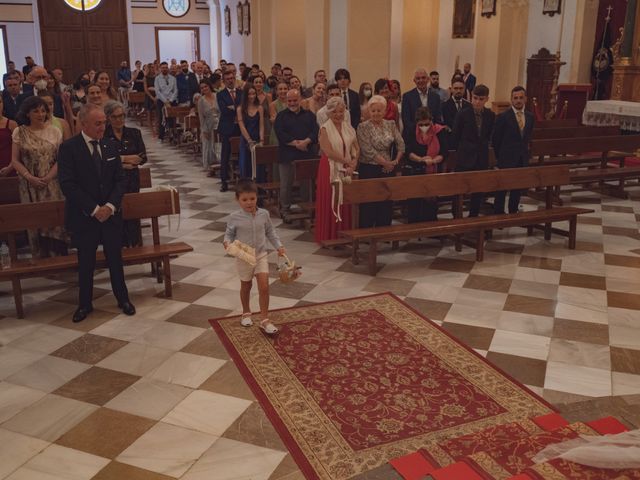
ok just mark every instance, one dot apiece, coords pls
pixel 227 21
pixel 488 8
pixel 464 16
pixel 239 15
pixel 551 7
pixel 246 17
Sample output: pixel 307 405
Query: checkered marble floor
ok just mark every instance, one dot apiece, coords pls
pixel 155 396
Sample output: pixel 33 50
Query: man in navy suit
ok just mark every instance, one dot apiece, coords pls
pixel 456 102
pixel 350 97
pixel 511 137
pixel 93 182
pixel 421 96
pixel 228 100
pixel 469 81
pixel 472 133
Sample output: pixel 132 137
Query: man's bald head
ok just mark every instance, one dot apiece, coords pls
pixel 293 100
pixel 421 79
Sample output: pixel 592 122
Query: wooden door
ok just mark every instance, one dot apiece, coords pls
pixel 79 41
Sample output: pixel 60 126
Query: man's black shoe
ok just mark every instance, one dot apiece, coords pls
pixel 127 308
pixel 224 187
pixel 81 313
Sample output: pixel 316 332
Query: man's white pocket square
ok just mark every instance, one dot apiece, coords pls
pixel 111 159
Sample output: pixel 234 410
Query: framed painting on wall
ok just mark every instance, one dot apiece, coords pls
pixel 464 16
pixel 246 17
pixel 227 21
pixel 239 15
pixel 551 7
pixel 488 8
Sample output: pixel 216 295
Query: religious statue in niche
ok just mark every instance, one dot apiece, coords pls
pixel 246 17
pixel 464 15
pixel 240 19
pixel 227 21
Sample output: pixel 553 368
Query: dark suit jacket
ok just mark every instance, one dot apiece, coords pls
pixel 410 104
pixel 227 125
pixel 10 109
pixel 472 151
pixel 469 85
pixel 449 111
pixel 84 189
pixel 511 146
pixel 194 86
pixel 354 108
pixel 58 109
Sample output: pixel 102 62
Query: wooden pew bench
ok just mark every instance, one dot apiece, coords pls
pixel 457 185
pixel 603 156
pixel 18 217
pixel 573 132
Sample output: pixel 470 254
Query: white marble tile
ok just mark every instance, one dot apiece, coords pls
pixel 49 417
pixel 481 298
pixel 149 398
pixel 186 369
pixel 125 328
pixel 591 382
pixel 583 313
pixel 60 463
pixel 537 275
pixel 48 373
pixel 588 263
pixel 14 398
pixel 534 289
pixel 16 450
pixel 136 359
pixel 13 328
pixel 207 412
pixel 520 344
pixel 580 353
pixel 231 460
pixel 625 383
pixel 170 336
pixel 46 339
pixel 525 323
pixel 167 449
pixel 224 298
pixel 328 293
pixel 584 297
pixel 210 278
pixel 13 360
pixel 494 269
pixel 478 317
pixel 434 291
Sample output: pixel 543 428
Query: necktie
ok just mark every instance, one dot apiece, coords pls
pixel 233 95
pixel 479 122
pixel 458 105
pixel 97 159
pixel 520 118
pixel 345 97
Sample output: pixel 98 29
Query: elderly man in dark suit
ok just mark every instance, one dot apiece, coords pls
pixel 93 183
pixel 421 96
pixel 229 98
pixel 471 133
pixel 511 137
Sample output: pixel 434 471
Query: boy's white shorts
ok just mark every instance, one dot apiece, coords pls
pixel 246 272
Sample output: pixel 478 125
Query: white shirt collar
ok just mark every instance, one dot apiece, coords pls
pixel 515 110
pixel 88 140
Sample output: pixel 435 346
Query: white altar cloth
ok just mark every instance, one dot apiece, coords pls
pixel 601 113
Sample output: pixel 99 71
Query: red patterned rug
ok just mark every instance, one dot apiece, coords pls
pixel 353 383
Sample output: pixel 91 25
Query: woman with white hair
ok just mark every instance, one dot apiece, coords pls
pixel 381 148
pixel 133 153
pixel 340 152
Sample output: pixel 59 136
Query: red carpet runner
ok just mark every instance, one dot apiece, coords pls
pixel 351 384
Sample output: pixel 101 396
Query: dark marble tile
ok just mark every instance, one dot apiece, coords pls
pixel 530 305
pixel 207 344
pixel 491 284
pixel 575 330
pixel 122 471
pixel 186 292
pixel 583 281
pixel 472 336
pixel 254 427
pixel 97 385
pixel 89 348
pixel 228 381
pixel 198 315
pixel 623 300
pixel 451 265
pixel 541 262
pixel 432 309
pixel 625 360
pixel 529 371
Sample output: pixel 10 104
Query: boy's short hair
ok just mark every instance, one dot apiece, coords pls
pixel 481 91
pixel 246 185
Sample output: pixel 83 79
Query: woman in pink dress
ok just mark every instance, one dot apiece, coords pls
pixel 340 153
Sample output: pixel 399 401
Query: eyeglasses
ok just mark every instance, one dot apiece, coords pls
pixel 118 117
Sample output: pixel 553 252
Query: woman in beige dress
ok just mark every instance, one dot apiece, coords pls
pixel 33 156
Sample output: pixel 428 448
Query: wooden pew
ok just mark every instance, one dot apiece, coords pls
pixel 457 185
pixel 557 123
pixel 174 128
pixel 595 153
pixel 137 100
pixel 573 132
pixel 18 217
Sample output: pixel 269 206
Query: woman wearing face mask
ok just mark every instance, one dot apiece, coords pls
pixel 365 92
pixel 377 138
pixel 33 156
pixel 317 101
pixel 426 149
